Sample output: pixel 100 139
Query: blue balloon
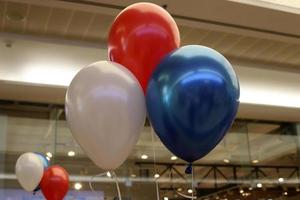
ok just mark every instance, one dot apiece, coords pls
pixel 192 100
pixel 46 165
pixel 43 159
pixel 36 189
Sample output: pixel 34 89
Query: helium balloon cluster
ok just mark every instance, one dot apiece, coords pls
pixel 191 93
pixel 34 173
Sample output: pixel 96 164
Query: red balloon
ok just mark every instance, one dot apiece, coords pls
pixel 55 183
pixel 141 35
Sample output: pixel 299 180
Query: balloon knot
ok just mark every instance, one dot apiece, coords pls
pixel 189 169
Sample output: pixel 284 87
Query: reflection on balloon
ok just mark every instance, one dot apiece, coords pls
pixel 192 100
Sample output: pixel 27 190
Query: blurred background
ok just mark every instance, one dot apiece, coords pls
pixel 43 44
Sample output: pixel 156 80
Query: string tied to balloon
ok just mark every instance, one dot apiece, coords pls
pixel 35 190
pixel 105 174
pixel 189 168
pixel 154 161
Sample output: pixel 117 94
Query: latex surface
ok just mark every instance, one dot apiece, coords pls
pixel 105 110
pixel 141 35
pixel 192 100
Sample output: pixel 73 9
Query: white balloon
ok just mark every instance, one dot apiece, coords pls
pixel 105 110
pixel 29 171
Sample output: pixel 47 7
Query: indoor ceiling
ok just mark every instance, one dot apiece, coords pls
pixel 90 21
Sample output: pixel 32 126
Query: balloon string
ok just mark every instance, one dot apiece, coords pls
pixel 187 196
pixel 192 182
pixel 153 149
pixel 157 190
pixel 154 161
pixel 92 178
pixel 104 174
pixel 117 184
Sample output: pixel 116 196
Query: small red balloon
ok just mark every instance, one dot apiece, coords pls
pixel 141 35
pixel 55 183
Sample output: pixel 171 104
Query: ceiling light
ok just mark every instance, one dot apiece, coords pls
pixel 173 158
pixel 49 154
pixel 281 180
pixel 255 161
pixel 268 92
pixel 144 157
pixel 246 194
pixel 166 198
pixel 156 175
pixel 226 161
pixel 285 193
pixel 77 186
pixel 179 189
pixel 133 175
pixel 108 174
pixel 250 188
pixel 190 191
pixel 283 3
pixel 259 185
pixel 71 153
pixel 241 191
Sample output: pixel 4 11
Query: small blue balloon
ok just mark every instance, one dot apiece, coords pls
pixel 36 190
pixel 46 165
pixel 43 159
pixel 192 100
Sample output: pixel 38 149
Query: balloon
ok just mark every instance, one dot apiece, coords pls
pixel 141 35
pixel 36 189
pixel 105 110
pixel 44 160
pixel 55 183
pixel 45 164
pixel 192 100
pixel 29 171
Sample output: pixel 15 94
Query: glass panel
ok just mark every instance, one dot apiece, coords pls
pixel 252 153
